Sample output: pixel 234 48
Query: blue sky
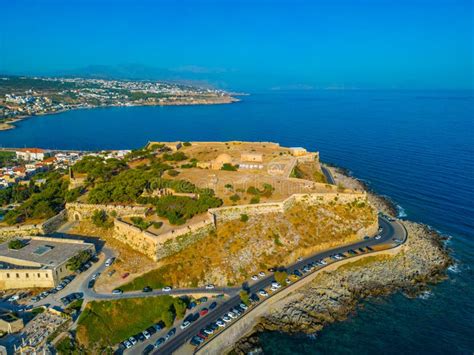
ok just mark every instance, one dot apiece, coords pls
pixel 408 44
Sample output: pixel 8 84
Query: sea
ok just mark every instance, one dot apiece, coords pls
pixel 415 147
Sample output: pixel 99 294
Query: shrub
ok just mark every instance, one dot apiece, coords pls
pixel 173 172
pixel 252 190
pixel 140 223
pixel 16 244
pixel 100 219
pixel 280 277
pixel 234 198
pixel 229 167
pixel 255 199
pixel 244 297
pixel 76 261
pixel 187 144
pixel 244 217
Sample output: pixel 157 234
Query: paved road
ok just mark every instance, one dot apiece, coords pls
pixel 390 230
pixel 328 175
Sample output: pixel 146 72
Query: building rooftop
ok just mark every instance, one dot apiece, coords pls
pixel 40 252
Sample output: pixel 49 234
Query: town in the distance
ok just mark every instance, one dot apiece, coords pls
pixel 164 248
pixel 22 97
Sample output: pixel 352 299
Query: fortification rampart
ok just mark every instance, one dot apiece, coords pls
pixel 80 211
pixel 46 227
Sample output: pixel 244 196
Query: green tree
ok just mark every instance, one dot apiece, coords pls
pixel 244 297
pixel 280 277
pixel 16 244
pixel 234 198
pixel 179 307
pixel 244 217
pixel 168 318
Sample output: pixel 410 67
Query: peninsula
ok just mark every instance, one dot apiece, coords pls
pixel 22 97
pixel 195 247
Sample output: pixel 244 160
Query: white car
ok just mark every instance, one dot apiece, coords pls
pixel 254 277
pixel 263 293
pixel 377 237
pixel 227 319
pixel 208 331
pixel 323 262
pixel 261 274
pixel 166 289
pixel 273 288
pixel 243 306
pixel 14 298
pixel 117 292
pixel 231 315
pixel 132 340
pixel 127 344
pixel 276 284
pixel 220 323
pixel 288 281
pixel 109 262
pixel 185 324
pixel 95 276
pixel 300 259
pixel 146 334
pixel 209 287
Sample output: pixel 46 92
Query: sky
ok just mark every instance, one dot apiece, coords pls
pixel 369 44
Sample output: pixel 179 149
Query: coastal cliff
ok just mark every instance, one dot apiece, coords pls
pixel 331 296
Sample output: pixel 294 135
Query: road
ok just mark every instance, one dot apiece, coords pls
pixel 390 230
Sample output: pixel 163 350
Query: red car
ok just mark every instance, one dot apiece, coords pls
pixel 203 312
pixel 124 276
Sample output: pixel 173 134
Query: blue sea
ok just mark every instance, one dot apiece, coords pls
pixel 417 147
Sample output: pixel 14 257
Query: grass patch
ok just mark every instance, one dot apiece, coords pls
pixel 105 323
pixel 153 278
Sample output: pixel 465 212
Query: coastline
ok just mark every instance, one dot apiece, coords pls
pixel 10 124
pixel 333 295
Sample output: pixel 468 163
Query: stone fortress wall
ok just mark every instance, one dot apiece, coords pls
pixel 158 246
pixel 79 211
pixel 46 227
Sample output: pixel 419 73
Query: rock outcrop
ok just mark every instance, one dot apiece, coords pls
pixel 332 295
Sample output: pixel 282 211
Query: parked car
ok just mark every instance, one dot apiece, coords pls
pixel 243 306
pixel 213 305
pixel 191 305
pixel 132 340
pixel 147 289
pixel 117 291
pixel 202 299
pixel 263 293
pixel 185 324
pixel 378 236
pixel 209 287
pixel 203 312
pixel 159 342
pixel 109 262
pixel 261 274
pixel 146 334
pixel 254 277
pixel 148 349
pixel 166 289
pixel 125 275
pixel 90 284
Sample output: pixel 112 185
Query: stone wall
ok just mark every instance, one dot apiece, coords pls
pixel 142 241
pixel 223 214
pixel 158 246
pixel 46 227
pixel 80 211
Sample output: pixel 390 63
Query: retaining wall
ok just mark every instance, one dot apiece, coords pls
pixel 80 211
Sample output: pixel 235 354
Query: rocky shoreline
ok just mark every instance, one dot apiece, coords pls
pixel 333 295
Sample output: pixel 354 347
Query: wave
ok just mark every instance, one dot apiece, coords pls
pixel 401 213
pixel 425 295
pixel 455 268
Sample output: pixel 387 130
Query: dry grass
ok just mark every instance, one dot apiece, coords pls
pixel 239 249
pixel 128 260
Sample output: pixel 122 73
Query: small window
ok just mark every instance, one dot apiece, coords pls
pixel 27 275
pixel 46 275
pixel 8 275
pixel 17 276
pixel 39 275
